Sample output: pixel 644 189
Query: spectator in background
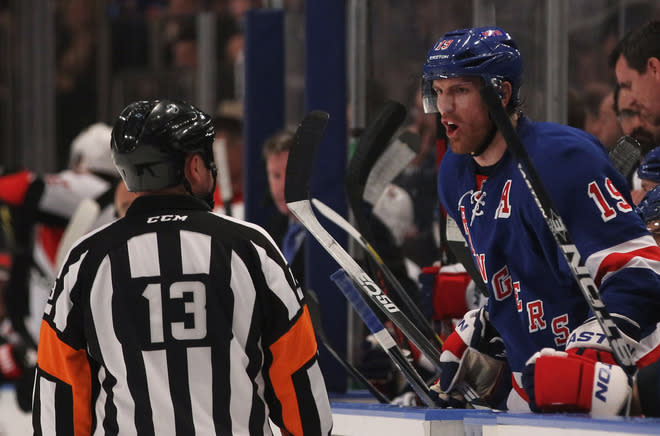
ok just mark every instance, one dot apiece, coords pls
pixel 600 118
pixel 576 110
pixel 287 231
pixel 75 75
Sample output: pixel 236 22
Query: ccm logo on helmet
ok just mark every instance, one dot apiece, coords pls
pixel 165 218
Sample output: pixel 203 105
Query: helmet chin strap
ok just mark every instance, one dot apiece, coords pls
pixel 486 142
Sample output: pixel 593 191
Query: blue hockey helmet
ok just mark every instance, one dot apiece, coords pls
pixel 650 166
pixel 486 52
pixel 649 208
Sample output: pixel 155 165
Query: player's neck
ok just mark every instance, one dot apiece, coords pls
pixel 496 149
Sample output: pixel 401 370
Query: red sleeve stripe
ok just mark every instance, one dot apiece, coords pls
pixel 648 257
pixel 71 367
pixel 642 251
pixel 290 353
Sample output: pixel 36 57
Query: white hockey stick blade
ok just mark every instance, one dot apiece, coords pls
pixel 79 224
pixel 224 174
pixel 396 157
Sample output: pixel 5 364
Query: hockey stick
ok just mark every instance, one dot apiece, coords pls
pixel 333 216
pixel 371 146
pixel 394 159
pixel 224 175
pixel 387 343
pixel 315 314
pixel 80 223
pixel 296 192
pixel 458 246
pixel 586 284
pixel 625 155
pixel 377 136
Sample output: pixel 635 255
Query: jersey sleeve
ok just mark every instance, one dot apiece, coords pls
pixel 621 256
pixel 300 400
pixel 63 387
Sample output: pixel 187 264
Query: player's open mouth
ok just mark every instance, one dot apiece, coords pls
pixel 451 128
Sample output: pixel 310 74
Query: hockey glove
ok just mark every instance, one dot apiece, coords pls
pixel 556 381
pixel 11 362
pixel 475 353
pixel 588 340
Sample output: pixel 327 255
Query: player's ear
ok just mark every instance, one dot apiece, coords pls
pixel 504 91
pixel 653 66
pixel 192 168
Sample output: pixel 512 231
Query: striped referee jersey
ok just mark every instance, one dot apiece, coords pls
pixel 177 321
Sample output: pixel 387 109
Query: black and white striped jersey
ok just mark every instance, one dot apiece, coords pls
pixel 177 321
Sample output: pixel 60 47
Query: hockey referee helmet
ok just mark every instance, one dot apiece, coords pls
pixel 486 52
pixel 649 169
pixel 150 141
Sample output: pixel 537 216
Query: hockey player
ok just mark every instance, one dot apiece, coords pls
pixel 173 319
pixel 41 207
pixel 534 300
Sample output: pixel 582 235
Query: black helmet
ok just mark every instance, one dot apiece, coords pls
pixel 150 141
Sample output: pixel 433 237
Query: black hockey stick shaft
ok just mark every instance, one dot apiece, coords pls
pixel 305 142
pixel 333 216
pixel 383 337
pixel 542 198
pixel 315 314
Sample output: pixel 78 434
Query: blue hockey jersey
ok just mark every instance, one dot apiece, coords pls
pixel 534 301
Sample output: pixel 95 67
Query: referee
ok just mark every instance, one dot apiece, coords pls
pixel 175 320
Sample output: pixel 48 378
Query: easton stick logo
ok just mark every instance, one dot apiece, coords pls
pixel 377 293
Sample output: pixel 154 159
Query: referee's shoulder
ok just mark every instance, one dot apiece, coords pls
pixel 252 231
pixel 240 224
